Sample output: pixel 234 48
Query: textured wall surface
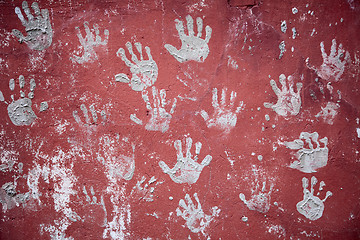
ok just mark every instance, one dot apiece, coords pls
pixel 169 119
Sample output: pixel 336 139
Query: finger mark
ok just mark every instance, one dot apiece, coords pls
pixel 199 23
pixel 190 25
pixel 36 8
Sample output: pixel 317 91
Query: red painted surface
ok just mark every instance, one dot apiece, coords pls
pixel 55 158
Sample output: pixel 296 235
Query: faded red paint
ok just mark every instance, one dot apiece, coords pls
pixel 244 52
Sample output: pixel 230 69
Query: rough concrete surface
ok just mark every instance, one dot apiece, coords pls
pixel 169 119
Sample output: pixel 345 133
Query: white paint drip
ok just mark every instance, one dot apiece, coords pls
pixel 89 42
pixel 192 47
pixel 333 65
pixel 196 219
pixel 311 206
pixel 289 102
pixel 144 72
pixel 329 112
pixel 186 169
pixel 225 114
pixel 311 158
pixel 38 28
pixel 159 117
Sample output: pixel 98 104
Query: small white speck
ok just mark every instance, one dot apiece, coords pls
pixel 267 117
pixel 273 126
pixel 358 132
pixel 341 19
pixel 294 10
pixel 171 198
pixel 260 158
pixel 252 154
pixel 292 49
pixel 244 219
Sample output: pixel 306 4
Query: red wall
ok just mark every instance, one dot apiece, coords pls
pixel 249 130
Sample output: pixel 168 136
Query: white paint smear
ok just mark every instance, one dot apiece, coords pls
pixel 329 112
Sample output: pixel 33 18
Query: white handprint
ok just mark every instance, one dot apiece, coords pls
pixel 144 72
pixel 259 202
pixel 20 111
pixel 119 162
pixel 89 42
pixel 38 29
pixel 333 65
pixel 192 47
pixel 86 115
pixel 196 219
pixel 311 206
pixel 94 201
pixel 225 115
pixel 310 158
pixel 186 169
pixel 289 102
pixel 160 118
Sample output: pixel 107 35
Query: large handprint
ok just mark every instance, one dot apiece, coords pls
pixel 192 47
pixel 196 219
pixel 160 118
pixel 289 102
pixel 144 72
pixel 224 116
pixel 89 42
pixel 187 169
pixel 333 65
pixel 38 29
